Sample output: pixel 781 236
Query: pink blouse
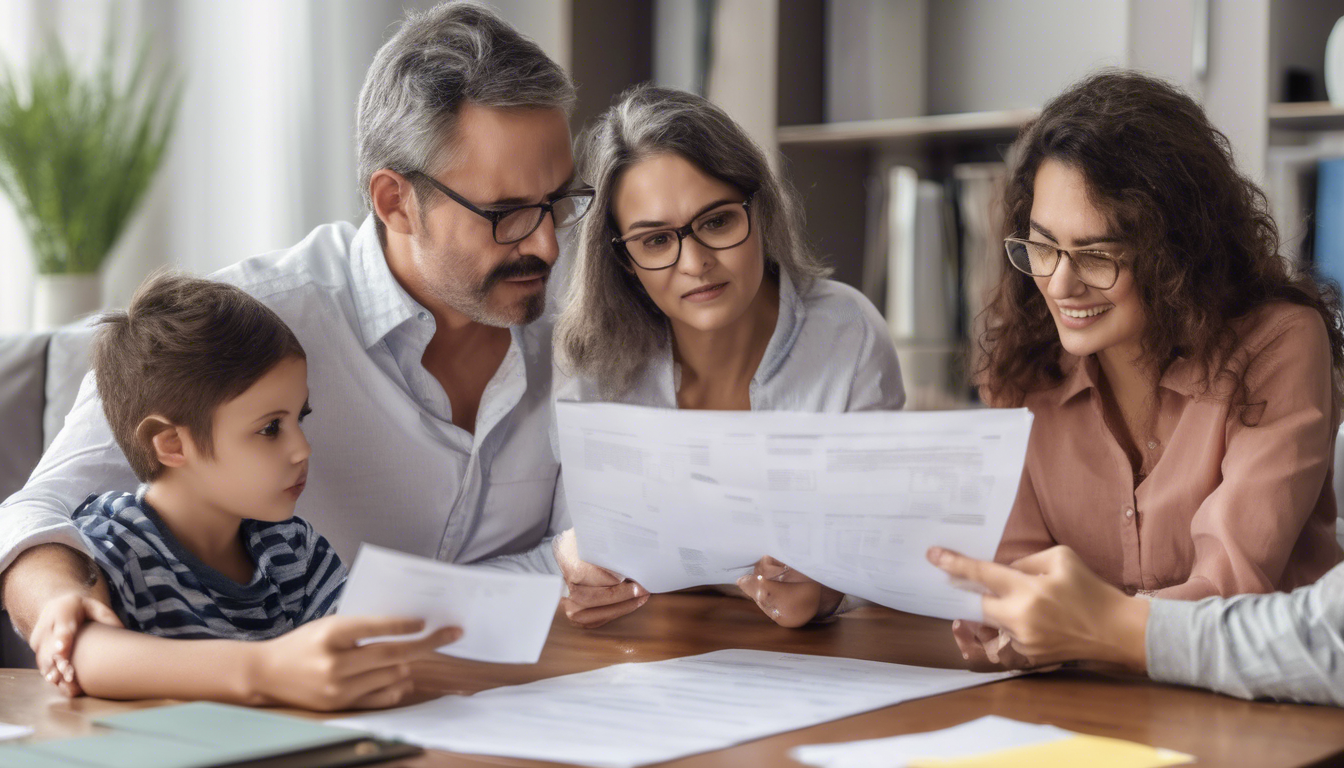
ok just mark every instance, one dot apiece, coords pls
pixel 1222 508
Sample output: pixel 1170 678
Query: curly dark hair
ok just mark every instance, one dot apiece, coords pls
pixel 1208 248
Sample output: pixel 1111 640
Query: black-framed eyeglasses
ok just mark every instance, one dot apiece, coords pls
pixel 1094 267
pixel 516 223
pixel 726 226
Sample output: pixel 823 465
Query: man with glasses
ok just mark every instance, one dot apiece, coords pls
pixel 429 379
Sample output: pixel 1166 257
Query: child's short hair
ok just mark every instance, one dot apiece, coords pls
pixel 183 348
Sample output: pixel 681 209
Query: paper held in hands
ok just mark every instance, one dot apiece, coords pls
pixel 675 499
pixel 504 617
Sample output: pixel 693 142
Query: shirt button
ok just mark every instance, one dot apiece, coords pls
pixel 1129 512
pixel 425 316
pixel 1152 445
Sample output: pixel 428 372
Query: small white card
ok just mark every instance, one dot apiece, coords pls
pixel 9 732
pixel 505 617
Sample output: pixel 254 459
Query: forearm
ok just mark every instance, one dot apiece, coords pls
pixel 40 574
pixel 113 663
pixel 1124 639
pixel 1282 646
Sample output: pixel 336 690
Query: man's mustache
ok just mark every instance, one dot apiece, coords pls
pixel 527 266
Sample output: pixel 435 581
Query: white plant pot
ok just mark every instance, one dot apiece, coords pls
pixel 62 299
pixel 1334 65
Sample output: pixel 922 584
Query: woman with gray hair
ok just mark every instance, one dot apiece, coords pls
pixel 694 288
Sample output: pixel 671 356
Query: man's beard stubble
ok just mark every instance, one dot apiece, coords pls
pixel 475 303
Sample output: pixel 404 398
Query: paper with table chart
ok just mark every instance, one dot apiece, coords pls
pixel 504 617
pixel 637 714
pixel 989 741
pixel 675 499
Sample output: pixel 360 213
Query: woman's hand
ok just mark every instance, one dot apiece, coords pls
pixel 322 666
pixel 1051 608
pixel 596 595
pixel 787 596
pixel 986 648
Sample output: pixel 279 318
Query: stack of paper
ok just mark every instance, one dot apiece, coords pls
pixel 989 741
pixel 636 714
pixel 675 499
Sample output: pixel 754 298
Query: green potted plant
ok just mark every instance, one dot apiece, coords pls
pixel 77 154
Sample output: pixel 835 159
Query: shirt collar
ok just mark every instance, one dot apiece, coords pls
pixel 1081 375
pixel 1182 377
pixel 792 313
pixel 380 302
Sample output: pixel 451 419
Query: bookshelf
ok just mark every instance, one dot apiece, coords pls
pixel 908 131
pixel 1306 116
pixel 948 85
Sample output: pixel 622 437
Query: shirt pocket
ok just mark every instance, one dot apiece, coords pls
pixel 517 513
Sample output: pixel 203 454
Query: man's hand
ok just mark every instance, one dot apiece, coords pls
pixel 596 595
pixel 787 596
pixel 53 638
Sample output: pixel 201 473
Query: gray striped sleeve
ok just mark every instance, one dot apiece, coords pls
pixel 1286 646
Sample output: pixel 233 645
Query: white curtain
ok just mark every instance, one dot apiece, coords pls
pixel 264 148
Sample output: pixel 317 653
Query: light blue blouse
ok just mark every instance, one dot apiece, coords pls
pixel 830 353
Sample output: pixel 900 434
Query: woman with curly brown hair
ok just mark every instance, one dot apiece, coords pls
pixel 1185 381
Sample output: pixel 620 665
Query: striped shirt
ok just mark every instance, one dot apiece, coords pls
pixel 159 587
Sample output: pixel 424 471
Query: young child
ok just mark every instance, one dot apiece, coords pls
pixel 205 389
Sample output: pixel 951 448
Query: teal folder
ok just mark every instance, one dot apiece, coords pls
pixel 202 735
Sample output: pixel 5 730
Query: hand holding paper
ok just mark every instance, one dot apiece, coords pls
pixel 596 595
pixel 504 617
pixel 674 499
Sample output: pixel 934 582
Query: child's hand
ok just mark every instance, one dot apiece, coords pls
pixel 321 666
pixel 53 636
pixel 787 596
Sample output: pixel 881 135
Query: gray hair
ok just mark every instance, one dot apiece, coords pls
pixel 440 59
pixel 610 327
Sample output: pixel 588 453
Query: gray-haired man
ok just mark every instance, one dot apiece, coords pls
pixel 429 379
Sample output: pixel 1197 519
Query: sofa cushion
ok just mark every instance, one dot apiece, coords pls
pixel 23 376
pixel 67 363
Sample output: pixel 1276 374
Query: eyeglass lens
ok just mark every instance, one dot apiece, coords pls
pixel 524 221
pixel 1041 260
pixel 721 228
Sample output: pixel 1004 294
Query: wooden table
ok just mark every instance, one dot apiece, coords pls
pixel 1217 729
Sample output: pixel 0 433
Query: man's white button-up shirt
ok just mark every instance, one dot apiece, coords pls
pixel 389 466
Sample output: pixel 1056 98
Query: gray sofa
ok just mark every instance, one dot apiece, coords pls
pixel 40 375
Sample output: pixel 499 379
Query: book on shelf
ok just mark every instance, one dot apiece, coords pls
pixel 1329 229
pixel 931 256
pixel 1290 185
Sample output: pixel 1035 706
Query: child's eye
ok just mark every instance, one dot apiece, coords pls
pixel 270 430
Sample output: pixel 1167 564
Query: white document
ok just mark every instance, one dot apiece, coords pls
pixel 984 736
pixel 9 731
pixel 504 617
pixel 636 714
pixel 675 499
